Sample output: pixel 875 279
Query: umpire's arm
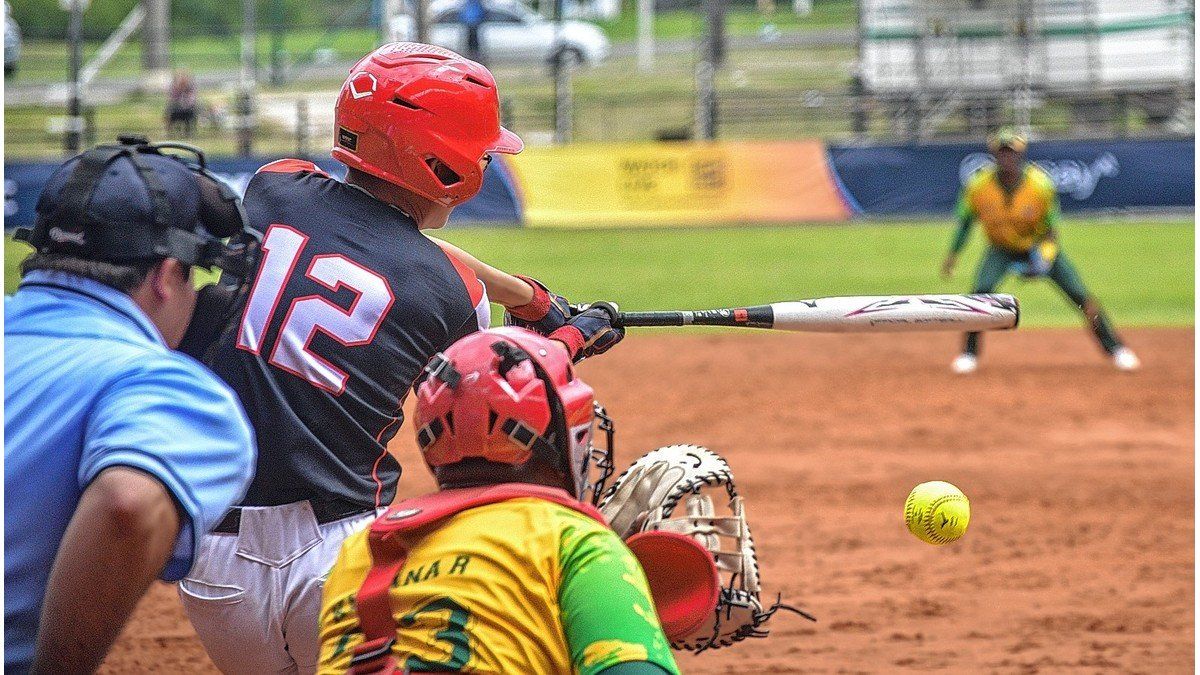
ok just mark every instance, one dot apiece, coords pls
pixel 166 452
pixel 116 544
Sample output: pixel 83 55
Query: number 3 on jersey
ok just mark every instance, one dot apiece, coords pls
pixel 352 327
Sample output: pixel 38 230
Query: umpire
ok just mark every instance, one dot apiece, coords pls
pixel 119 452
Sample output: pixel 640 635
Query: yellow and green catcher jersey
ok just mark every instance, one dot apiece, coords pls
pixel 520 586
pixel 1013 221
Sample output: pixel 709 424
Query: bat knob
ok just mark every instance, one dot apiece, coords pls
pixel 609 307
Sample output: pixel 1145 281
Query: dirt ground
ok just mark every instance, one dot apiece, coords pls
pixel 1079 555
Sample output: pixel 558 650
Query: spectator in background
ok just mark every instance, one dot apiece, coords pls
pixel 472 17
pixel 181 104
pixel 120 454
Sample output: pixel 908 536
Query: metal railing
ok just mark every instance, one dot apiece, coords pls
pixel 768 88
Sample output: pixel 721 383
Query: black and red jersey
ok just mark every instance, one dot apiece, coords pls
pixel 349 304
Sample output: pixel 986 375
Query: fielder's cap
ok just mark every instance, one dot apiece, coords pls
pixel 1006 137
pixel 131 202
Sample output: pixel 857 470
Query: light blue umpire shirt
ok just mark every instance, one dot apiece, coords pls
pixel 89 384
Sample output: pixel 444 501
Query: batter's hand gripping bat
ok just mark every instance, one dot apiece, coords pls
pixel 851 314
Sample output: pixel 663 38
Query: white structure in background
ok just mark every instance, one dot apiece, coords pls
pixel 645 35
pixel 946 52
pixel 510 32
pixel 594 10
pixel 129 26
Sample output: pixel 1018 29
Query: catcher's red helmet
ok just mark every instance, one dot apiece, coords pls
pixel 508 395
pixel 421 117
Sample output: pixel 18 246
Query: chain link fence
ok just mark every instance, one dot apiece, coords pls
pixel 916 80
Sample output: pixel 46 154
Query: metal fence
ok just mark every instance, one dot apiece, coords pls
pixel 825 84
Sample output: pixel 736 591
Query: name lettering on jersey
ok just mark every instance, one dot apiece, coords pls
pixel 457 565
pixel 460 564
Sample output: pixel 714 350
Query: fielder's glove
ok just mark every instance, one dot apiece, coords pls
pixel 546 313
pixel 1039 260
pixel 646 497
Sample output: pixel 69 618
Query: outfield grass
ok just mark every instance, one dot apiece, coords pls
pixel 28 136
pixel 1141 270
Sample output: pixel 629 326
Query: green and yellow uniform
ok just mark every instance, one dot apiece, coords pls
pixel 1020 227
pixel 1013 221
pixel 519 586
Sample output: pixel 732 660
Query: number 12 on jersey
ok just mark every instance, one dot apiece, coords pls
pixel 351 326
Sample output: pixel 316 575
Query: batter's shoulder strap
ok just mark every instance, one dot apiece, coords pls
pixel 393 535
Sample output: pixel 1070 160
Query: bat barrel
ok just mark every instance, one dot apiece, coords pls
pixel 899 313
pixel 862 314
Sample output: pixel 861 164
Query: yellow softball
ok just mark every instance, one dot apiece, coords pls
pixel 937 512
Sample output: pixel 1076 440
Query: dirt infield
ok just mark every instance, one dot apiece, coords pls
pixel 1080 550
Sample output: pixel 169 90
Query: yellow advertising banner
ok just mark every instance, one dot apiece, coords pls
pixel 676 184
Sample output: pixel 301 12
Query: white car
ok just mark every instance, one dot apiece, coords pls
pixel 12 42
pixel 510 32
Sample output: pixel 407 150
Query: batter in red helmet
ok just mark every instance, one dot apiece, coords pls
pixel 350 302
pixel 508 568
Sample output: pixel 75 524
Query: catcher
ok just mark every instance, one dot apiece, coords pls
pixel 508 567
pixel 1017 205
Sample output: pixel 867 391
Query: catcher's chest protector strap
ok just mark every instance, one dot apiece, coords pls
pixel 393 534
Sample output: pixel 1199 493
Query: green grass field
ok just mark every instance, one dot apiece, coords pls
pixel 1142 270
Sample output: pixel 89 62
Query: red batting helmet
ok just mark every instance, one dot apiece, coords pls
pixel 421 117
pixel 509 396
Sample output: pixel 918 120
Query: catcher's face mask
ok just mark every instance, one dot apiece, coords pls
pixel 511 397
pixel 595 465
pixel 573 417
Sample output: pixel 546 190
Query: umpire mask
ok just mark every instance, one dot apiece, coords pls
pixel 135 202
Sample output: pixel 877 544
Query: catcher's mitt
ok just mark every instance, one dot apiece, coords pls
pixel 645 498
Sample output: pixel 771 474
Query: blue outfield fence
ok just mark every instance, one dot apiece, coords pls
pixel 496 202
pixel 1090 175
pixel 879 180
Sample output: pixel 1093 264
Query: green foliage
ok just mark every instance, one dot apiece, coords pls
pixel 189 18
pixel 46 19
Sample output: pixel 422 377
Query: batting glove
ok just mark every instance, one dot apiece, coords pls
pixel 546 313
pixel 591 332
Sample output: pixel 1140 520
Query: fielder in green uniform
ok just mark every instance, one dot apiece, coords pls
pixel 1017 206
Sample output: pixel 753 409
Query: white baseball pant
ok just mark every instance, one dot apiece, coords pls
pixel 255 597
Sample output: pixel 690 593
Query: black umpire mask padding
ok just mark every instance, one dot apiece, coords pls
pixel 133 202
pixel 137 201
pixel 218 311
